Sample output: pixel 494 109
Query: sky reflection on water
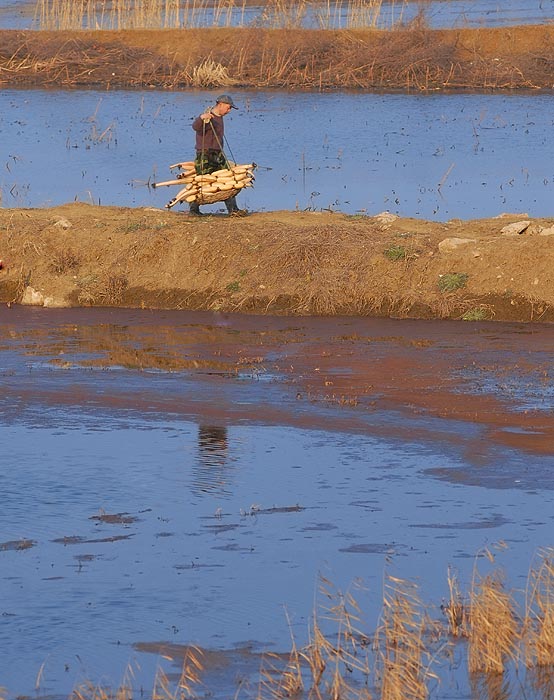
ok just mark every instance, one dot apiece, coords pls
pixel 225 520
pixel 427 156
pixel 19 14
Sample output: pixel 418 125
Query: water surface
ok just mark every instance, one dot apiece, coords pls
pixel 428 156
pixel 144 506
pixel 19 14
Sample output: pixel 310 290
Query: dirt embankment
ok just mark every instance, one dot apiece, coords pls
pixel 295 263
pixel 406 58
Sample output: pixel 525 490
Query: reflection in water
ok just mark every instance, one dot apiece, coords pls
pixel 210 470
pixel 542 681
pixel 489 686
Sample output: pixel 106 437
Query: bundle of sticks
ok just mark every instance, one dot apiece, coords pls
pixel 207 189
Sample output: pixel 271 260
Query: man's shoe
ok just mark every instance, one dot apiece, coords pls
pixel 238 212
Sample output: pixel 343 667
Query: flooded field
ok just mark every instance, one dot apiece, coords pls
pixel 20 14
pixel 175 478
pixel 434 156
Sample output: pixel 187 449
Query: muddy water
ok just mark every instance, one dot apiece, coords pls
pixel 435 157
pixel 175 478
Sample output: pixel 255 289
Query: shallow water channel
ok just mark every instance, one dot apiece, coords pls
pixel 428 156
pixel 20 14
pixel 175 478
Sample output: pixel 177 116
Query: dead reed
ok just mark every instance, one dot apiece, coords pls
pixel 455 609
pixel 408 57
pixel 163 14
pixel 493 628
pixel 341 662
pixel 539 615
pixel 403 659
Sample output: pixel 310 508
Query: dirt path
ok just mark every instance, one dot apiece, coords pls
pixel 295 263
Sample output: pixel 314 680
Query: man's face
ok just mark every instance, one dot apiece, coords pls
pixel 223 108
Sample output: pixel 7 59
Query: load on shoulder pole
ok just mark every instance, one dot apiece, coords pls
pixel 210 188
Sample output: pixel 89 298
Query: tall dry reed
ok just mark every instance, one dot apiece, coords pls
pixel 539 613
pixel 493 629
pixel 403 660
pixel 163 14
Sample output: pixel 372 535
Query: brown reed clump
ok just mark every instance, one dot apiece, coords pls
pixel 400 646
pixel 455 609
pixel 493 629
pixel 337 660
pixel 539 616
pixel 90 691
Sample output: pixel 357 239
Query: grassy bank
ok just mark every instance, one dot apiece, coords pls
pixel 405 58
pixel 294 263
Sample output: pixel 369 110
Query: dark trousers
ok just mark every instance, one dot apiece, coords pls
pixel 207 162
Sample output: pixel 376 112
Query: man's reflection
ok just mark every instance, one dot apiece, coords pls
pixel 210 472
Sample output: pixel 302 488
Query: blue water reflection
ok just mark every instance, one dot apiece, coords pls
pixel 224 517
pixel 20 14
pixel 429 156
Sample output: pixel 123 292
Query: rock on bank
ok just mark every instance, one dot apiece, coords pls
pixel 295 263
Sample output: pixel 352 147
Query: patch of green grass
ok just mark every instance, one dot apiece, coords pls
pixel 233 286
pixel 395 252
pixel 453 281
pixel 477 314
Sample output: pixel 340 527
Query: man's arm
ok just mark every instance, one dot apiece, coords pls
pixel 199 123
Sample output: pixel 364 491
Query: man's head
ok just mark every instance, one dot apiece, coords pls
pixel 225 104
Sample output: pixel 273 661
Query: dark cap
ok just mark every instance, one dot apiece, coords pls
pixel 227 100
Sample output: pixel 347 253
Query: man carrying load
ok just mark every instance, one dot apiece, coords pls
pixel 210 156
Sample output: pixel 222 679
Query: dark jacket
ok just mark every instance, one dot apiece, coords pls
pixel 206 139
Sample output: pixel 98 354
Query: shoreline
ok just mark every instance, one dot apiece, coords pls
pixel 279 263
pixel 414 58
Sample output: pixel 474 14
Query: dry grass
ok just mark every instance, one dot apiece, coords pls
pixel 455 610
pixel 411 57
pixel 402 654
pixel 210 74
pixel 539 617
pixel 340 662
pixel 162 14
pixel 493 629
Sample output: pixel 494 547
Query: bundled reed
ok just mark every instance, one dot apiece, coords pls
pixel 209 188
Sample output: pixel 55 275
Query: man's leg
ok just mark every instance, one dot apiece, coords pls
pixel 194 209
pixel 231 204
pixel 232 207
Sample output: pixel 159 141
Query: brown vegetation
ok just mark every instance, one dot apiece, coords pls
pixel 407 58
pixel 342 661
pixel 296 263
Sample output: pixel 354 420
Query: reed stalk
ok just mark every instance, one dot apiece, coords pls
pixel 493 629
pixel 403 661
pixel 162 14
pixel 539 614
